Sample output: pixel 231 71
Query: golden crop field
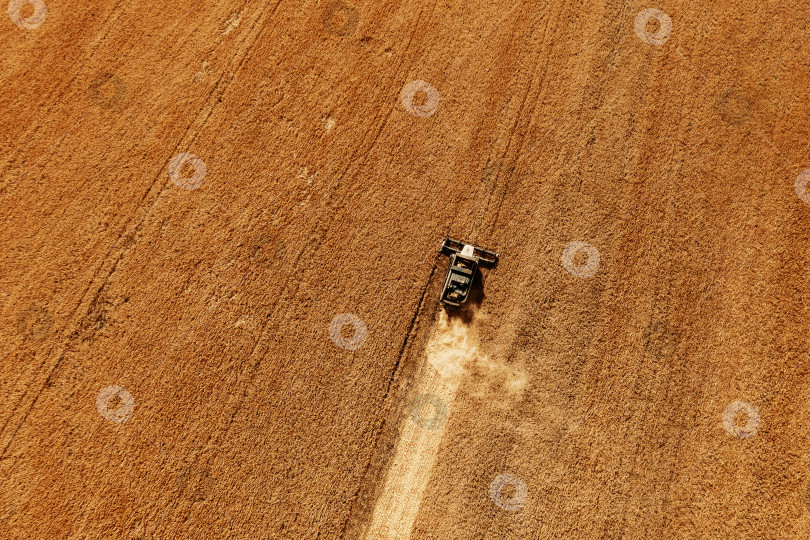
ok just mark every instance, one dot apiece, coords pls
pixel 220 270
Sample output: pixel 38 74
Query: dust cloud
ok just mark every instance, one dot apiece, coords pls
pixel 453 352
pixel 451 355
pixel 451 347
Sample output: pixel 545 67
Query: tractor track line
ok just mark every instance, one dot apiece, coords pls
pixel 410 329
pixel 379 429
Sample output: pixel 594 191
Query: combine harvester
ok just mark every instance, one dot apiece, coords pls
pixel 464 261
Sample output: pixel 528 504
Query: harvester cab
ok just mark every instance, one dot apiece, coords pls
pixel 464 261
